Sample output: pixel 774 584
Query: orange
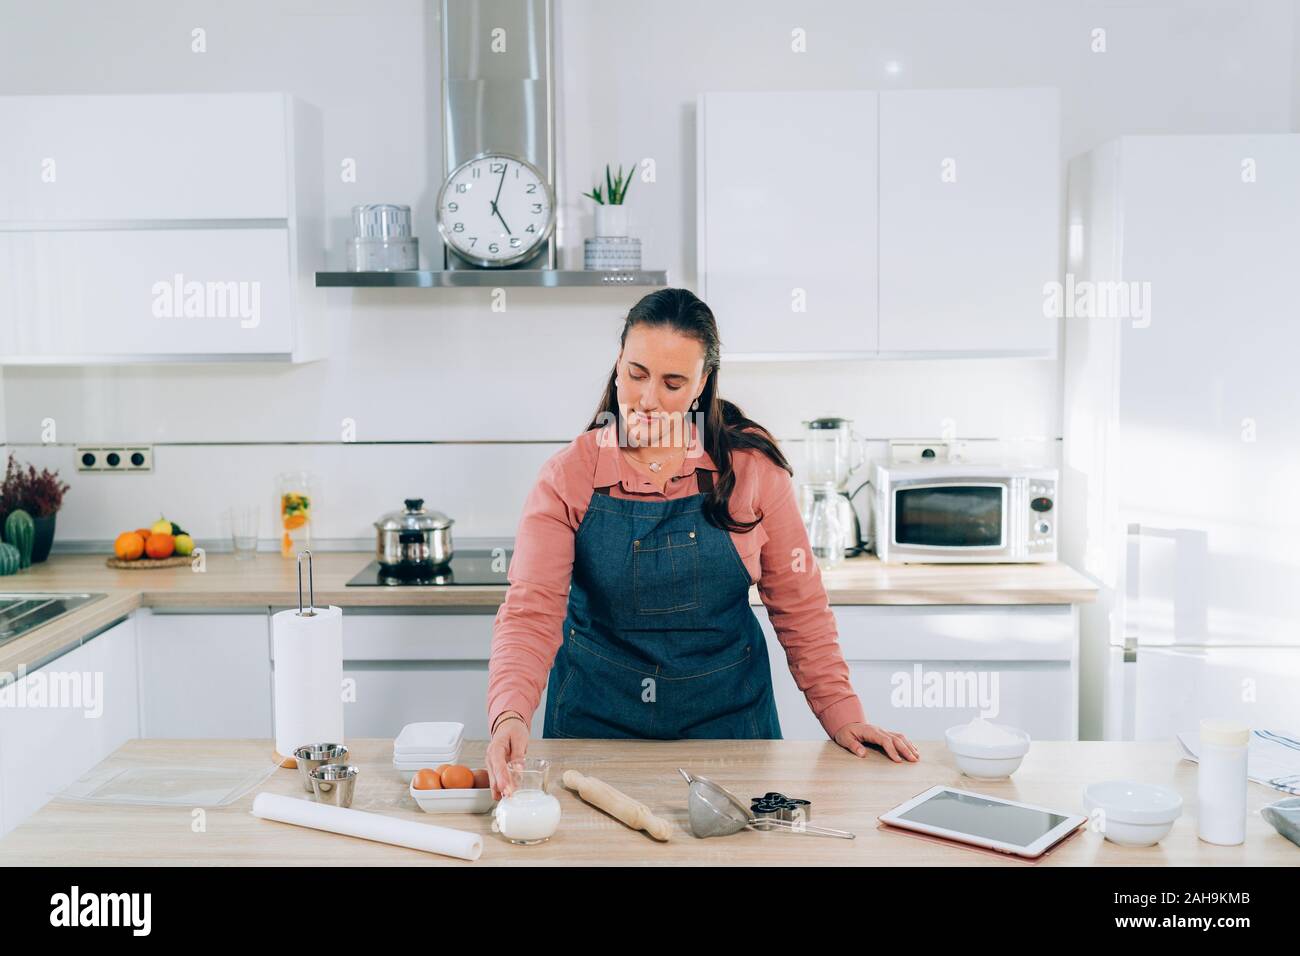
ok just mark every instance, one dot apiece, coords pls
pixel 143 533
pixel 291 522
pixel 160 546
pixel 128 546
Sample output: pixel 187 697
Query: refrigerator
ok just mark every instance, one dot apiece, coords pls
pixel 1180 313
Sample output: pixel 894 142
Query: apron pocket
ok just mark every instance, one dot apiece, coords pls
pixel 666 572
pixel 601 698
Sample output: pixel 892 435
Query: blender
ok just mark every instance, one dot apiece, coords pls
pixel 832 453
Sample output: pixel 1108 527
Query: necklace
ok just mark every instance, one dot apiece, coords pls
pixel 655 466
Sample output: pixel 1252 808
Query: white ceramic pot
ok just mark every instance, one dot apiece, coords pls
pixel 611 221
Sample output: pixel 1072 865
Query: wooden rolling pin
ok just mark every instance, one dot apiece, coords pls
pixel 617 804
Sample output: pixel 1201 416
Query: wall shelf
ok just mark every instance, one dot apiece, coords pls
pixel 490 278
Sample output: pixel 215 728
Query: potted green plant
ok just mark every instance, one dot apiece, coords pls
pixel 40 494
pixel 611 215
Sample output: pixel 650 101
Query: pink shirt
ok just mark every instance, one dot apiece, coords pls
pixel 529 627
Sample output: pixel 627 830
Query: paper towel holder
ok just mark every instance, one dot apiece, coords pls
pixel 311 589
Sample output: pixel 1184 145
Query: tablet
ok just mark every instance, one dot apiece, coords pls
pixel 1002 825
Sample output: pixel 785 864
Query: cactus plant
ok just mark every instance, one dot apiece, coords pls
pixel 9 559
pixel 20 531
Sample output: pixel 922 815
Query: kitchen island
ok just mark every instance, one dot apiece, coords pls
pixel 847 792
pixel 188 654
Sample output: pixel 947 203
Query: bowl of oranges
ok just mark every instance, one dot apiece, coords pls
pixel 163 544
pixel 452 788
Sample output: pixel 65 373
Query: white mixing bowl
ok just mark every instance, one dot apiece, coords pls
pixel 988 761
pixel 1133 814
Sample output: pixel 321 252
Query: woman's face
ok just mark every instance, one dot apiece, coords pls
pixel 660 373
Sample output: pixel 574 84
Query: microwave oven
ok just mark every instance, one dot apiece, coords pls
pixel 959 512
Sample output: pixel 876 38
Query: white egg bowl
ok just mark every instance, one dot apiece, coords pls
pixel 465 800
pixel 988 761
pixel 1133 814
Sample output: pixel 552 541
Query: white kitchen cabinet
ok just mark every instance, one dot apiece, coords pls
pixel 416 665
pixel 204 674
pixel 90 699
pixel 909 223
pixel 132 274
pixel 970 220
pixel 922 669
pixel 98 157
pixel 113 201
pixel 787 220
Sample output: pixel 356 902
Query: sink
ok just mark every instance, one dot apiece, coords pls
pixel 20 613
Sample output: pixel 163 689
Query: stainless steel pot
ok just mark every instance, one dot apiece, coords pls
pixel 414 538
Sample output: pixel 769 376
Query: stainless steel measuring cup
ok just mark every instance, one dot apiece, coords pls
pixel 334 783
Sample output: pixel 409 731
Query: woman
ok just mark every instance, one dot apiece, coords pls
pixel 634 558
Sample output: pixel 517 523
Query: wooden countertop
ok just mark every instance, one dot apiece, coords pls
pixel 847 792
pixel 270 580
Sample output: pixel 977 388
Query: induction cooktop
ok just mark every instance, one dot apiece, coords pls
pixel 466 567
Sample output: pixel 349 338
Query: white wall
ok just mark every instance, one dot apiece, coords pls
pixel 507 389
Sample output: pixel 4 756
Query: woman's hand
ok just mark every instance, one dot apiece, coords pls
pixel 852 737
pixel 510 742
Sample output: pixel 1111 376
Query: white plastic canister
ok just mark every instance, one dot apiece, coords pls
pixel 1221 782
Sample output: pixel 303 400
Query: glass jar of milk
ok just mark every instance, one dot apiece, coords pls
pixel 530 814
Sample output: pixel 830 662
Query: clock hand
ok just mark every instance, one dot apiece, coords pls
pixel 497 213
pixel 500 183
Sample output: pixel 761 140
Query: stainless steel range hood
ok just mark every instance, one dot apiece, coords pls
pixel 497 101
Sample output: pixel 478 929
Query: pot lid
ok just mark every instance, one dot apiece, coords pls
pixel 414 518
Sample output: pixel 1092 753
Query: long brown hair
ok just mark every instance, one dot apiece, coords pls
pixel 725 428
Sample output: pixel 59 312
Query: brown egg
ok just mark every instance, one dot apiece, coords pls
pixel 457 778
pixel 481 781
pixel 441 767
pixel 427 780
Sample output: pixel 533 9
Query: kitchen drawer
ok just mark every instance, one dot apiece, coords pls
pixel 1040 698
pixel 921 669
pixel 390 694
pixel 416 635
pixel 1032 632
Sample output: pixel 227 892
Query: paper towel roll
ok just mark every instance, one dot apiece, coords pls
pixel 369 826
pixel 308 678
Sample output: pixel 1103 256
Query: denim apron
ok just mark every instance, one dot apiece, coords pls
pixel 660 641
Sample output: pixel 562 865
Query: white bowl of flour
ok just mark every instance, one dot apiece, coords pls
pixel 986 750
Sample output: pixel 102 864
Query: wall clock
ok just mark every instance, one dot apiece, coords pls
pixel 495 210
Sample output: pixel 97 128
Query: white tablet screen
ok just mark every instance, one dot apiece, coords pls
pixel 964 813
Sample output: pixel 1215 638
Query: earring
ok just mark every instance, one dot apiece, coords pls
pixel 695 405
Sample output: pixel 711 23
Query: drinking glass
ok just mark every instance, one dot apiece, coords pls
pixel 241 524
